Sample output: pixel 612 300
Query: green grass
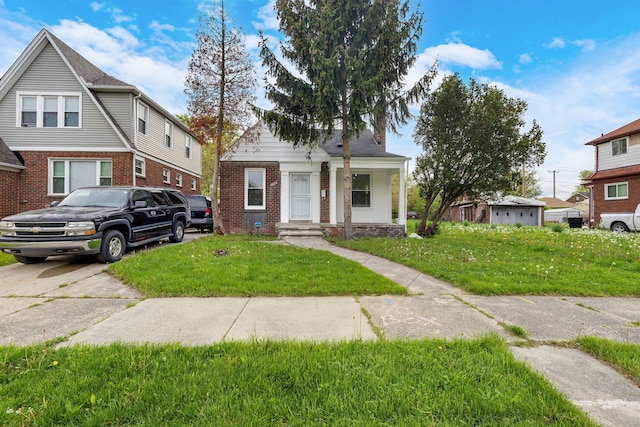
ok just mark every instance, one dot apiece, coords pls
pixel 623 356
pixel 491 260
pixel 6 259
pixel 247 267
pixel 431 382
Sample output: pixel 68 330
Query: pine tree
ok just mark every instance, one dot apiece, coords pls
pixel 350 59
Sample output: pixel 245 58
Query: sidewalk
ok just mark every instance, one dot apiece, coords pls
pixel 61 298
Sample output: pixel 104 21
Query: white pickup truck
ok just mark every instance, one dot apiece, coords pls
pixel 621 222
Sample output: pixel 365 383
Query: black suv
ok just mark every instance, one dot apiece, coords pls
pixel 200 212
pixel 96 220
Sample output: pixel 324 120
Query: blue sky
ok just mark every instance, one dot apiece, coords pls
pixel 576 63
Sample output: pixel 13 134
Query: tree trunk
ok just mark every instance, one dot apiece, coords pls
pixel 348 227
pixel 218 226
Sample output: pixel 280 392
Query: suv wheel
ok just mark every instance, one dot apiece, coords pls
pixel 113 246
pixel 178 232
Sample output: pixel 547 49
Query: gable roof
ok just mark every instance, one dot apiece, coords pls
pixel 515 201
pixel 364 145
pixel 626 130
pixel 8 159
pixel 90 77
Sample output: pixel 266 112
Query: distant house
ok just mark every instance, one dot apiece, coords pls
pixel 553 203
pixel 64 123
pixel 270 187
pixel 509 210
pixel 615 183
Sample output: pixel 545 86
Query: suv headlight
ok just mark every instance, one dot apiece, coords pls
pixel 7 228
pixel 81 228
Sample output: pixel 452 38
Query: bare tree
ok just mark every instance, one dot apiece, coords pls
pixel 220 85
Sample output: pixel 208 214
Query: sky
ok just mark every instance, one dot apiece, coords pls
pixel 575 63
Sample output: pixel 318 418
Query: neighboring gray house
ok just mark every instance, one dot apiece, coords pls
pixel 70 124
pixel 508 210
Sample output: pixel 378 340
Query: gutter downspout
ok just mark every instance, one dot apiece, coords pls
pixel 135 135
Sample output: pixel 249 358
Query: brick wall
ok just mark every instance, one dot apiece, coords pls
pixel 601 205
pixel 153 178
pixel 10 187
pixel 29 189
pixel 234 217
pixel 325 185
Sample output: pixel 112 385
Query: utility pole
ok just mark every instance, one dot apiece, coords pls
pixel 554 172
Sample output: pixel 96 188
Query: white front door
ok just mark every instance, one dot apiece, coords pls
pixel 300 197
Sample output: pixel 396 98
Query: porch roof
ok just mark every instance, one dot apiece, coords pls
pixel 363 146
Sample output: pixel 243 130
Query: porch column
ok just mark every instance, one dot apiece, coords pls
pixel 332 195
pixel 284 196
pixel 402 195
pixel 315 197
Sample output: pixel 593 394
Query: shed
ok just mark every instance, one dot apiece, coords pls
pixel 511 210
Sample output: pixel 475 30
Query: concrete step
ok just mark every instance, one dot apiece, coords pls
pixel 299 230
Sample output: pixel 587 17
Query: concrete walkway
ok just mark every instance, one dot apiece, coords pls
pixel 74 298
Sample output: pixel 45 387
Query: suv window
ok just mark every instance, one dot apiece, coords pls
pixel 176 198
pixel 197 201
pixel 142 195
pixel 158 196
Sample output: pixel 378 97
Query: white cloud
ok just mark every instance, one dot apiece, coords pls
pixel 268 17
pixel 556 43
pixel 97 6
pixel 462 55
pixel 525 58
pixel 586 45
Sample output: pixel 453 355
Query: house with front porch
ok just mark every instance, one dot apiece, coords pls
pixel 615 182
pixel 271 187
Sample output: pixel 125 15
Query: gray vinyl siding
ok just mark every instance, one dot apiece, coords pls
pixel 49 73
pixel 607 161
pixel 120 106
pixel 153 144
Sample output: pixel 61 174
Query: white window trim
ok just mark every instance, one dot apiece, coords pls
pixel 144 166
pixel 626 146
pixel 193 184
pixel 145 118
pixel 246 189
pixel 606 190
pixel 178 179
pixel 66 172
pixel 166 176
pixel 170 134
pixel 370 191
pixel 40 108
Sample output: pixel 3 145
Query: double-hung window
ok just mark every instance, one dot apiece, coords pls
pixel 67 175
pixel 178 180
pixel 52 110
pixel 143 118
pixel 361 190
pixel 254 189
pixel 166 176
pixel 619 190
pixel 187 147
pixel 619 146
pixel 140 166
pixel 168 134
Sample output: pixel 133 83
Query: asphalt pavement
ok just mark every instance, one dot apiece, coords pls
pixel 73 300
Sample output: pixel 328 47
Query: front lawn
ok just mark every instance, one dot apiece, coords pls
pixel 426 382
pixel 509 260
pixel 240 265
